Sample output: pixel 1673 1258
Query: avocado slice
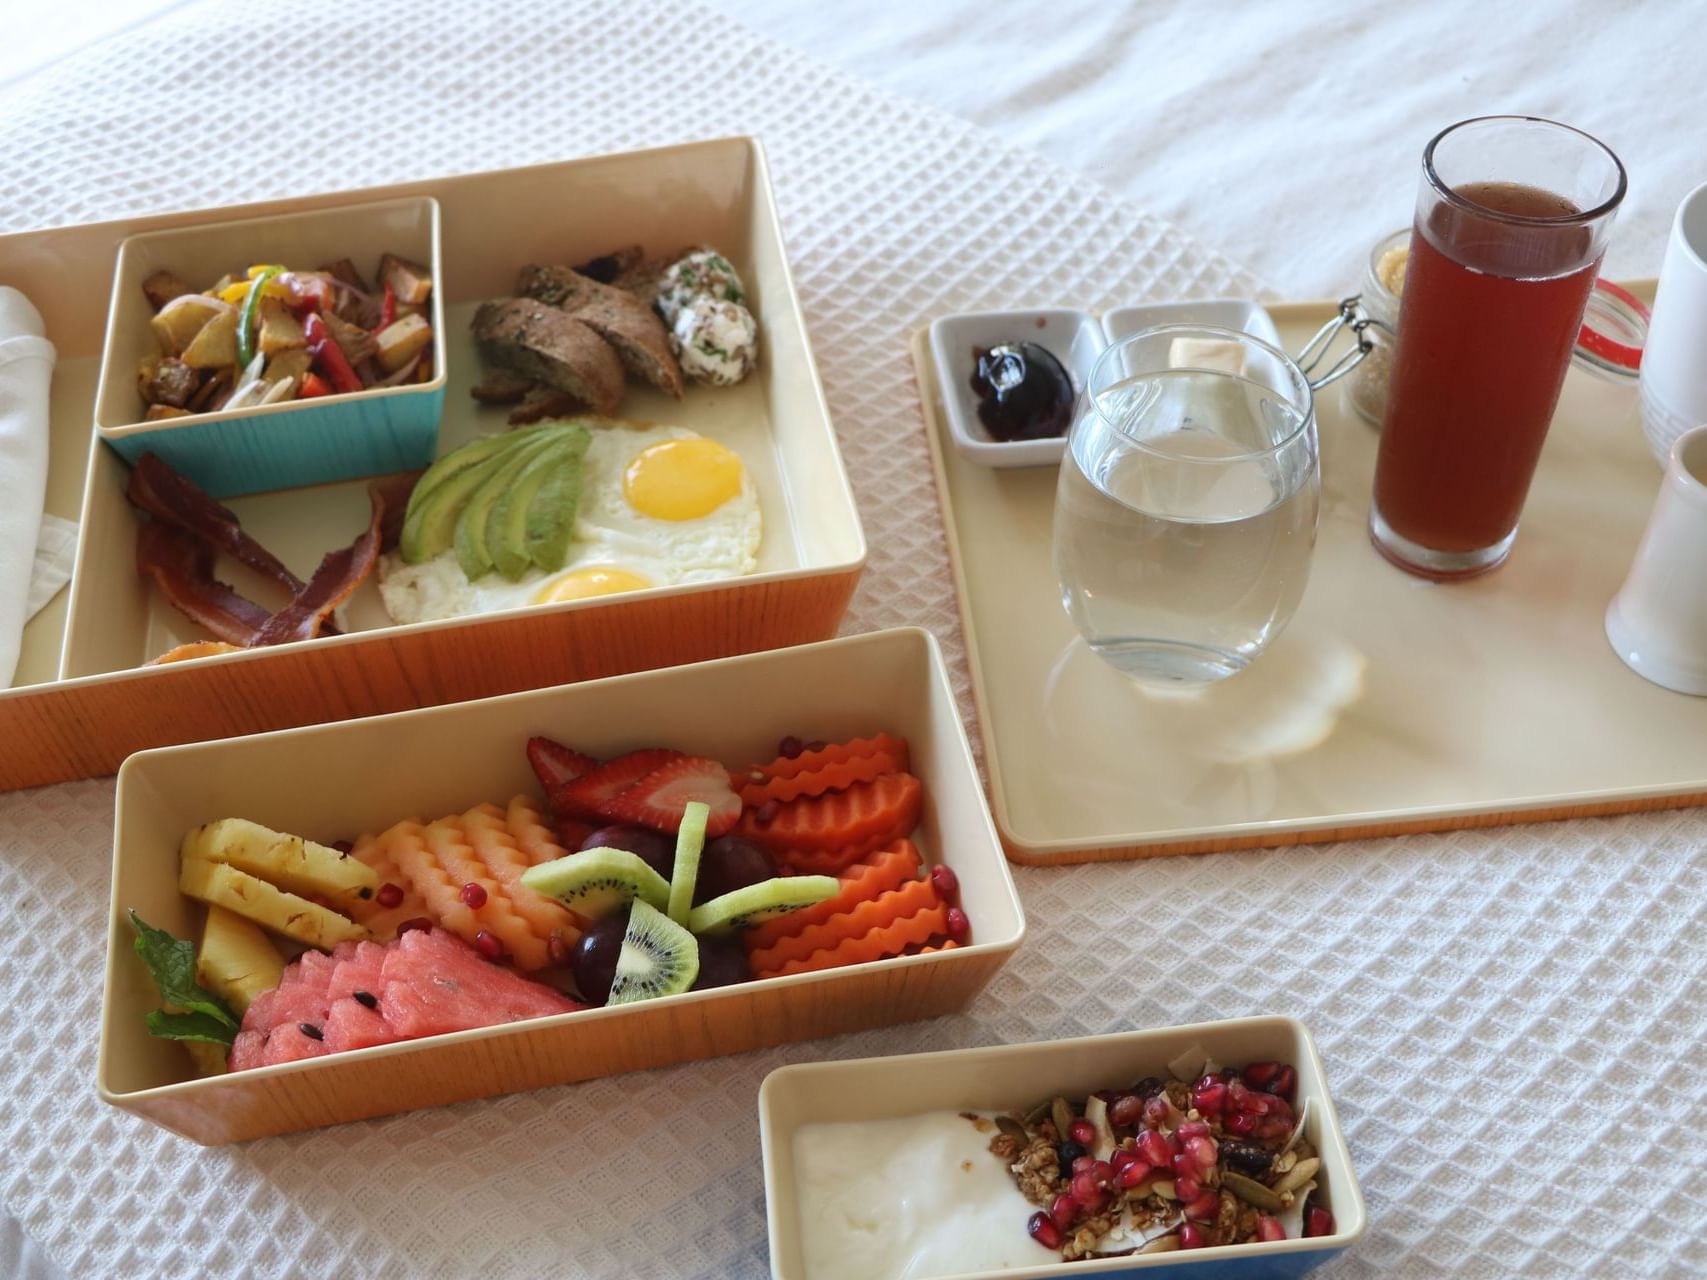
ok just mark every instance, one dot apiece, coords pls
pixel 550 521
pixel 440 493
pixel 472 550
pixel 553 478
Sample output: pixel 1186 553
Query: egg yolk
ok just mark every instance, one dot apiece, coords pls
pixel 584 584
pixel 682 479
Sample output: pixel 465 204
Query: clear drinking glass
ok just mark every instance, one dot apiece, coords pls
pixel 1513 214
pixel 1186 508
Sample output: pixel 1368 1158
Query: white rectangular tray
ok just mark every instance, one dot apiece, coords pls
pixel 1473 704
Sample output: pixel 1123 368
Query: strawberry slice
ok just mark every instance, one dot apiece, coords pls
pixel 658 799
pixel 555 764
pixel 586 796
pixel 572 833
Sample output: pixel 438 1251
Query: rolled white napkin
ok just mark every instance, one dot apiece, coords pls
pixel 26 368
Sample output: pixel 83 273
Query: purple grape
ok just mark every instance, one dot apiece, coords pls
pixel 654 848
pixel 730 863
pixel 593 961
pixel 722 963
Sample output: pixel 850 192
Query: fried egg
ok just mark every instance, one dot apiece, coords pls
pixel 660 506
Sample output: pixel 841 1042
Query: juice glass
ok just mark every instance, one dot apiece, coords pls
pixel 1512 220
pixel 1186 508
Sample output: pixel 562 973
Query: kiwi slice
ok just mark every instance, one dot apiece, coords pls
pixel 690 843
pixel 760 901
pixel 658 958
pixel 598 881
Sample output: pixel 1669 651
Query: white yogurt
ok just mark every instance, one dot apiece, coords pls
pixel 908 1199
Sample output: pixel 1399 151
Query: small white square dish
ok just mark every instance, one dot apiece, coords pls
pixel 1228 313
pixel 1073 337
pixel 296 442
pixel 942 1107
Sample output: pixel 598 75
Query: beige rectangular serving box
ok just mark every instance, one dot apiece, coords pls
pixel 1015 1076
pixel 81 702
pixel 334 781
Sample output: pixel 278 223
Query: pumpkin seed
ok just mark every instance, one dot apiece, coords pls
pixel 1013 1129
pixel 1252 1192
pixel 1061 1112
pixel 1165 1190
pixel 1298 1175
pixel 1035 1115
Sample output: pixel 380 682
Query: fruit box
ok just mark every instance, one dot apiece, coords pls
pixel 333 781
pixel 80 664
pixel 1005 1077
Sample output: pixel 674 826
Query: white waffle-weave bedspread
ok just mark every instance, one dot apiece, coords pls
pixel 1512 1020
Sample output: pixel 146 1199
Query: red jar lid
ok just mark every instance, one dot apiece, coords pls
pixel 1615 329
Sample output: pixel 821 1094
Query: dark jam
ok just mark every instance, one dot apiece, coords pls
pixel 1023 392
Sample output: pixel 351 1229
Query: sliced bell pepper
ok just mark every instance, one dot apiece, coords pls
pixel 246 315
pixel 328 355
pixel 388 309
pixel 313 385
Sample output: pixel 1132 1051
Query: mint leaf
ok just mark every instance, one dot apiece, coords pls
pixel 172 964
pixel 188 1026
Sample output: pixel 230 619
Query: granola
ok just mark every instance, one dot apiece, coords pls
pixel 1213 1156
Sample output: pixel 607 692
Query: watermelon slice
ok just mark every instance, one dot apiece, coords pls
pixel 425 983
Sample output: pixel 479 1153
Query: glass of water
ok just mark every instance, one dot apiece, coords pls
pixel 1186 510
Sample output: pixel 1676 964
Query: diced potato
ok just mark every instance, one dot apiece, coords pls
pixel 293 364
pixel 177 328
pixel 401 341
pixel 410 281
pixel 354 341
pixel 290 862
pixel 236 961
pixel 216 345
pixel 279 329
pixel 161 287
pixel 160 412
pixel 272 908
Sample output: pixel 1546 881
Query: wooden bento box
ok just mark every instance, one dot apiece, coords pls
pixel 330 781
pixel 82 700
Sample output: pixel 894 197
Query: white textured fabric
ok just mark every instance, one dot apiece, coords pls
pixel 50 570
pixel 1287 134
pixel 1512 1020
pixel 26 365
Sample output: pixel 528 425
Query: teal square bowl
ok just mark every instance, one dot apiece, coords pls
pixel 300 442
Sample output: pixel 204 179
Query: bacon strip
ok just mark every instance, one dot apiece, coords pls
pixel 339 574
pixel 394 491
pixel 164 494
pixel 182 568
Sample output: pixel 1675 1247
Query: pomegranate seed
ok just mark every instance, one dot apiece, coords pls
pixel 1209 1096
pixel 1318 1222
pixel 1187 1188
pixel 1239 1124
pixel 1191 1236
pixel 1130 1175
pixel 1202 1152
pixel 1122 1157
pixel 1269 1228
pixel 790 747
pixel 959 927
pixel 1192 1129
pixel 1126 1111
pixel 557 949
pixel 765 814
pixel 1157 1110
pixel 1083 1132
pixel 1285 1084
pixel 344 847
pixel 473 895
pixel 1085 1188
pixel 946 883
pixel 487 944
pixel 1259 1074
pixel 1042 1229
pixel 1103 1172
pixel 1064 1210
pixel 389 896
pixel 1083 1164
pixel 1271 1127
pixel 1155 1149
pixel 817 744
pixel 418 922
pixel 1205 1207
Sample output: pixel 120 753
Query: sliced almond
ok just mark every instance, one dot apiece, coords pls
pixel 1298 1175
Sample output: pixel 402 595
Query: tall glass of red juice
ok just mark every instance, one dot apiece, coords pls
pixel 1512 219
